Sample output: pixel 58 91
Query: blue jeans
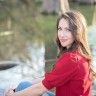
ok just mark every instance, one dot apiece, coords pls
pixel 26 84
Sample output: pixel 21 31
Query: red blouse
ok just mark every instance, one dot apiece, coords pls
pixel 70 76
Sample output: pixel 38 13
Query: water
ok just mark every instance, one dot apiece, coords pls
pixel 11 77
pixel 94 68
pixel 33 69
pixel 1 92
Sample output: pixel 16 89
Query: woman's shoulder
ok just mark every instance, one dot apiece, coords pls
pixel 74 56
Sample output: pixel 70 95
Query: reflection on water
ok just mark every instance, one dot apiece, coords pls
pixel 29 71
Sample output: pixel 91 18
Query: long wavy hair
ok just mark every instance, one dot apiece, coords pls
pixel 78 28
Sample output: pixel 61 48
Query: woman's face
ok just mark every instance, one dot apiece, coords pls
pixel 64 34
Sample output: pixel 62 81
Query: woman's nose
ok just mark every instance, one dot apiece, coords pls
pixel 63 34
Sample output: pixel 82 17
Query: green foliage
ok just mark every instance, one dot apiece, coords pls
pixel 17 17
pixel 87 10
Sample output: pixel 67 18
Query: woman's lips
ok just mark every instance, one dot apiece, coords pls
pixel 63 40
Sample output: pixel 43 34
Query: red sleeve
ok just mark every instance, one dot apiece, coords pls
pixel 64 69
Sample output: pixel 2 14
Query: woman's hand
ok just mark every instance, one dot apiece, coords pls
pixel 9 92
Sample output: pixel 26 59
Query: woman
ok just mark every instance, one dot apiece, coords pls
pixel 71 75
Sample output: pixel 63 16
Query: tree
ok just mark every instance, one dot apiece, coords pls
pixel 64 5
pixel 17 19
pixel 56 6
pixel 94 16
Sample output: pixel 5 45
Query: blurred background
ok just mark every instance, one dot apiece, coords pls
pixel 28 33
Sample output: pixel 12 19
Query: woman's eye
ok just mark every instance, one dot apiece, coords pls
pixel 68 30
pixel 59 29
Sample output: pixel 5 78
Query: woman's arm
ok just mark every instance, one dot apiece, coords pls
pixel 34 90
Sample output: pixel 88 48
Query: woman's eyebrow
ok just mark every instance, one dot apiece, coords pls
pixel 66 28
pixel 59 26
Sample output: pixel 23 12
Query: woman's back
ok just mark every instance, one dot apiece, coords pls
pixel 70 76
pixel 79 83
